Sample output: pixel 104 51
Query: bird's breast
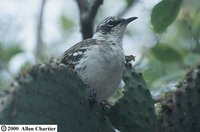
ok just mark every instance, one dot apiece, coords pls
pixel 101 68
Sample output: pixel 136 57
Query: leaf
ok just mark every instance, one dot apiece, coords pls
pixel 166 53
pixel 164 14
pixel 6 53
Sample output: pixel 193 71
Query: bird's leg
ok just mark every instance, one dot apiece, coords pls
pixel 92 97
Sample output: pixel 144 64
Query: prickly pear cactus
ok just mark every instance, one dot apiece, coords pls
pixel 52 94
pixel 180 111
pixel 134 112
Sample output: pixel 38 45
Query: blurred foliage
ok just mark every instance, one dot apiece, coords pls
pixel 177 49
pixel 164 13
pixel 66 23
pixel 192 59
pixel 1 85
pixel 130 2
pixel 6 53
pixel 166 53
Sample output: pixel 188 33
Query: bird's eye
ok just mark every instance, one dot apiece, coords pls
pixel 110 23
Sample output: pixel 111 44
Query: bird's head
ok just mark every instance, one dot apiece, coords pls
pixel 112 29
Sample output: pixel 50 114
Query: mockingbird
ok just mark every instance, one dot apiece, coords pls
pixel 99 61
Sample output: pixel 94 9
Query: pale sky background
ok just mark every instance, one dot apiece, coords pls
pixel 22 14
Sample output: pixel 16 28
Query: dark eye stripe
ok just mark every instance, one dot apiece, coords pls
pixel 113 23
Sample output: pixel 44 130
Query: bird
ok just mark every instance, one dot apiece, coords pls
pixel 99 61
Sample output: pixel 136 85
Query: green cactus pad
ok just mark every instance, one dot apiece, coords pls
pixel 180 110
pixel 134 112
pixel 52 94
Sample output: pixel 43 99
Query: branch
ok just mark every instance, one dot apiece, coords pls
pixel 87 14
pixel 94 8
pixel 39 41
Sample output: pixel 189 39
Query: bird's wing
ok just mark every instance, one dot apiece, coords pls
pixel 72 56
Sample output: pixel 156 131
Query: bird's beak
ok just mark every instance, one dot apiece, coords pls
pixel 128 20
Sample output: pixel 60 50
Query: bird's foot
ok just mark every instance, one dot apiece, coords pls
pixel 92 98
